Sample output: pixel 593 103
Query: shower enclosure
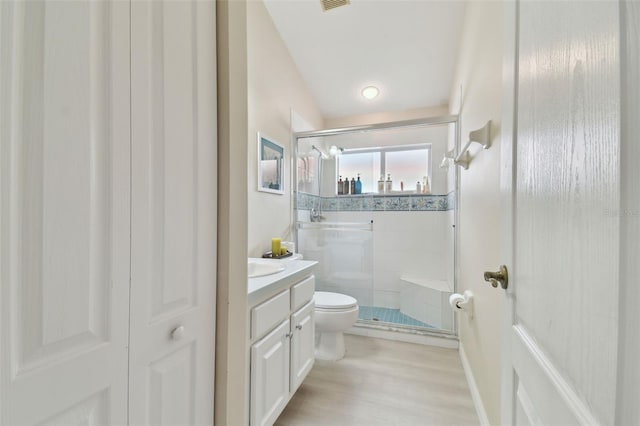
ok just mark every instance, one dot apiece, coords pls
pixel 387 236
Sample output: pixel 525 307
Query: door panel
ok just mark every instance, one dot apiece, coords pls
pixel 65 211
pixel 171 398
pixel 563 339
pixel 270 375
pixel 172 151
pixel 302 344
pixel 66 184
pixel 92 411
pixel 173 212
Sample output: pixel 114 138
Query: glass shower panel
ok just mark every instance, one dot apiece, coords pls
pixel 344 254
pixel 402 272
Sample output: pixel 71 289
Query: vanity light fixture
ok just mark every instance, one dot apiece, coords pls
pixel 370 92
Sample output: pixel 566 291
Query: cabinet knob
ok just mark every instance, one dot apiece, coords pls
pixel 299 327
pixel 288 335
pixel 177 333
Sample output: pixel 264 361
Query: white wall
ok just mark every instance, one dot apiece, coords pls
pixel 479 72
pixel 232 336
pixel 275 87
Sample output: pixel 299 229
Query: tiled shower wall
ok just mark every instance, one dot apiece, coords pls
pixel 413 242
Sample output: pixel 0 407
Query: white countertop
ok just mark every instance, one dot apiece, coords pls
pixel 261 288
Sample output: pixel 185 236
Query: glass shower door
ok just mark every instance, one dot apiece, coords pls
pixel 344 252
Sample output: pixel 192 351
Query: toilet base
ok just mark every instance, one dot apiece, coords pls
pixel 330 346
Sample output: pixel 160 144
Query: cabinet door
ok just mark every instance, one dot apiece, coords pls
pixel 173 240
pixel 64 212
pixel 270 376
pixel 302 344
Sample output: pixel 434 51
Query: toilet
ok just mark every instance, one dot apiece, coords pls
pixel 334 314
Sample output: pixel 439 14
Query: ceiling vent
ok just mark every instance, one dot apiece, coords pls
pixel 332 4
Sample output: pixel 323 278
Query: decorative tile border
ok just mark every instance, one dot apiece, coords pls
pixel 376 202
pixel 304 201
pixel 451 200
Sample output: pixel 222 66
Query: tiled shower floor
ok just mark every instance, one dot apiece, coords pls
pixel 393 316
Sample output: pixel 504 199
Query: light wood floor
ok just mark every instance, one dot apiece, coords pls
pixel 382 382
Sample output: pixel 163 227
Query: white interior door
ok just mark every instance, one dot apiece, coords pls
pixel 64 216
pixel 173 212
pixel 562 171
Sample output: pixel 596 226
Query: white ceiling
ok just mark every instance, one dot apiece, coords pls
pixel 407 48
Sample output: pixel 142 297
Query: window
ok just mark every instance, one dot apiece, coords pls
pixel 407 164
pixel 367 164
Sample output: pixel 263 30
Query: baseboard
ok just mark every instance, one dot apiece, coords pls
pixel 473 387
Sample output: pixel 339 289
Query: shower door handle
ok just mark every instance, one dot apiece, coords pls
pixel 499 277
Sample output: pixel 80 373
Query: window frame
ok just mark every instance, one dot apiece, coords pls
pixel 383 157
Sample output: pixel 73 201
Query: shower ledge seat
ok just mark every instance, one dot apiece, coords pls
pixel 437 285
pixel 426 300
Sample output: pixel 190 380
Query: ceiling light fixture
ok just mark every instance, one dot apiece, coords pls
pixel 370 92
pixel 332 4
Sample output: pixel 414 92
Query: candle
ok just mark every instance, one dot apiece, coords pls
pixel 275 247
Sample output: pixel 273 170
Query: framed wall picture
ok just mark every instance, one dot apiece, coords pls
pixel 270 165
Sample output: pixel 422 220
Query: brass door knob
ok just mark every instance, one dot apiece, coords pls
pixel 500 277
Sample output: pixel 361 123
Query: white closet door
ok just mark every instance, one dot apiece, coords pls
pixel 173 212
pixel 64 215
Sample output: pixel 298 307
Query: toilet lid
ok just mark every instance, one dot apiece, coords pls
pixel 326 300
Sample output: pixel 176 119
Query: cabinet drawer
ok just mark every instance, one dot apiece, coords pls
pixel 302 292
pixel 266 315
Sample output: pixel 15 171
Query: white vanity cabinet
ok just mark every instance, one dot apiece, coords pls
pixel 270 362
pixel 302 345
pixel 282 347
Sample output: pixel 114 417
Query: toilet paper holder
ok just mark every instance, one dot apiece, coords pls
pixel 462 302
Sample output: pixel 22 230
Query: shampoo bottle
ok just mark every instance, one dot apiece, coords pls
pixel 388 184
pixel 426 188
pixel 345 188
pixel 340 186
pixel 353 186
pixel 358 185
pixel 381 185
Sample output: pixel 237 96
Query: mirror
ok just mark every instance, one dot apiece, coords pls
pixel 270 165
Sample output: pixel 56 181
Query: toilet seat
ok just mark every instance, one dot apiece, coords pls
pixel 333 301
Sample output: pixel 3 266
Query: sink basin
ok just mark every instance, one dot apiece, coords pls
pixel 260 269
